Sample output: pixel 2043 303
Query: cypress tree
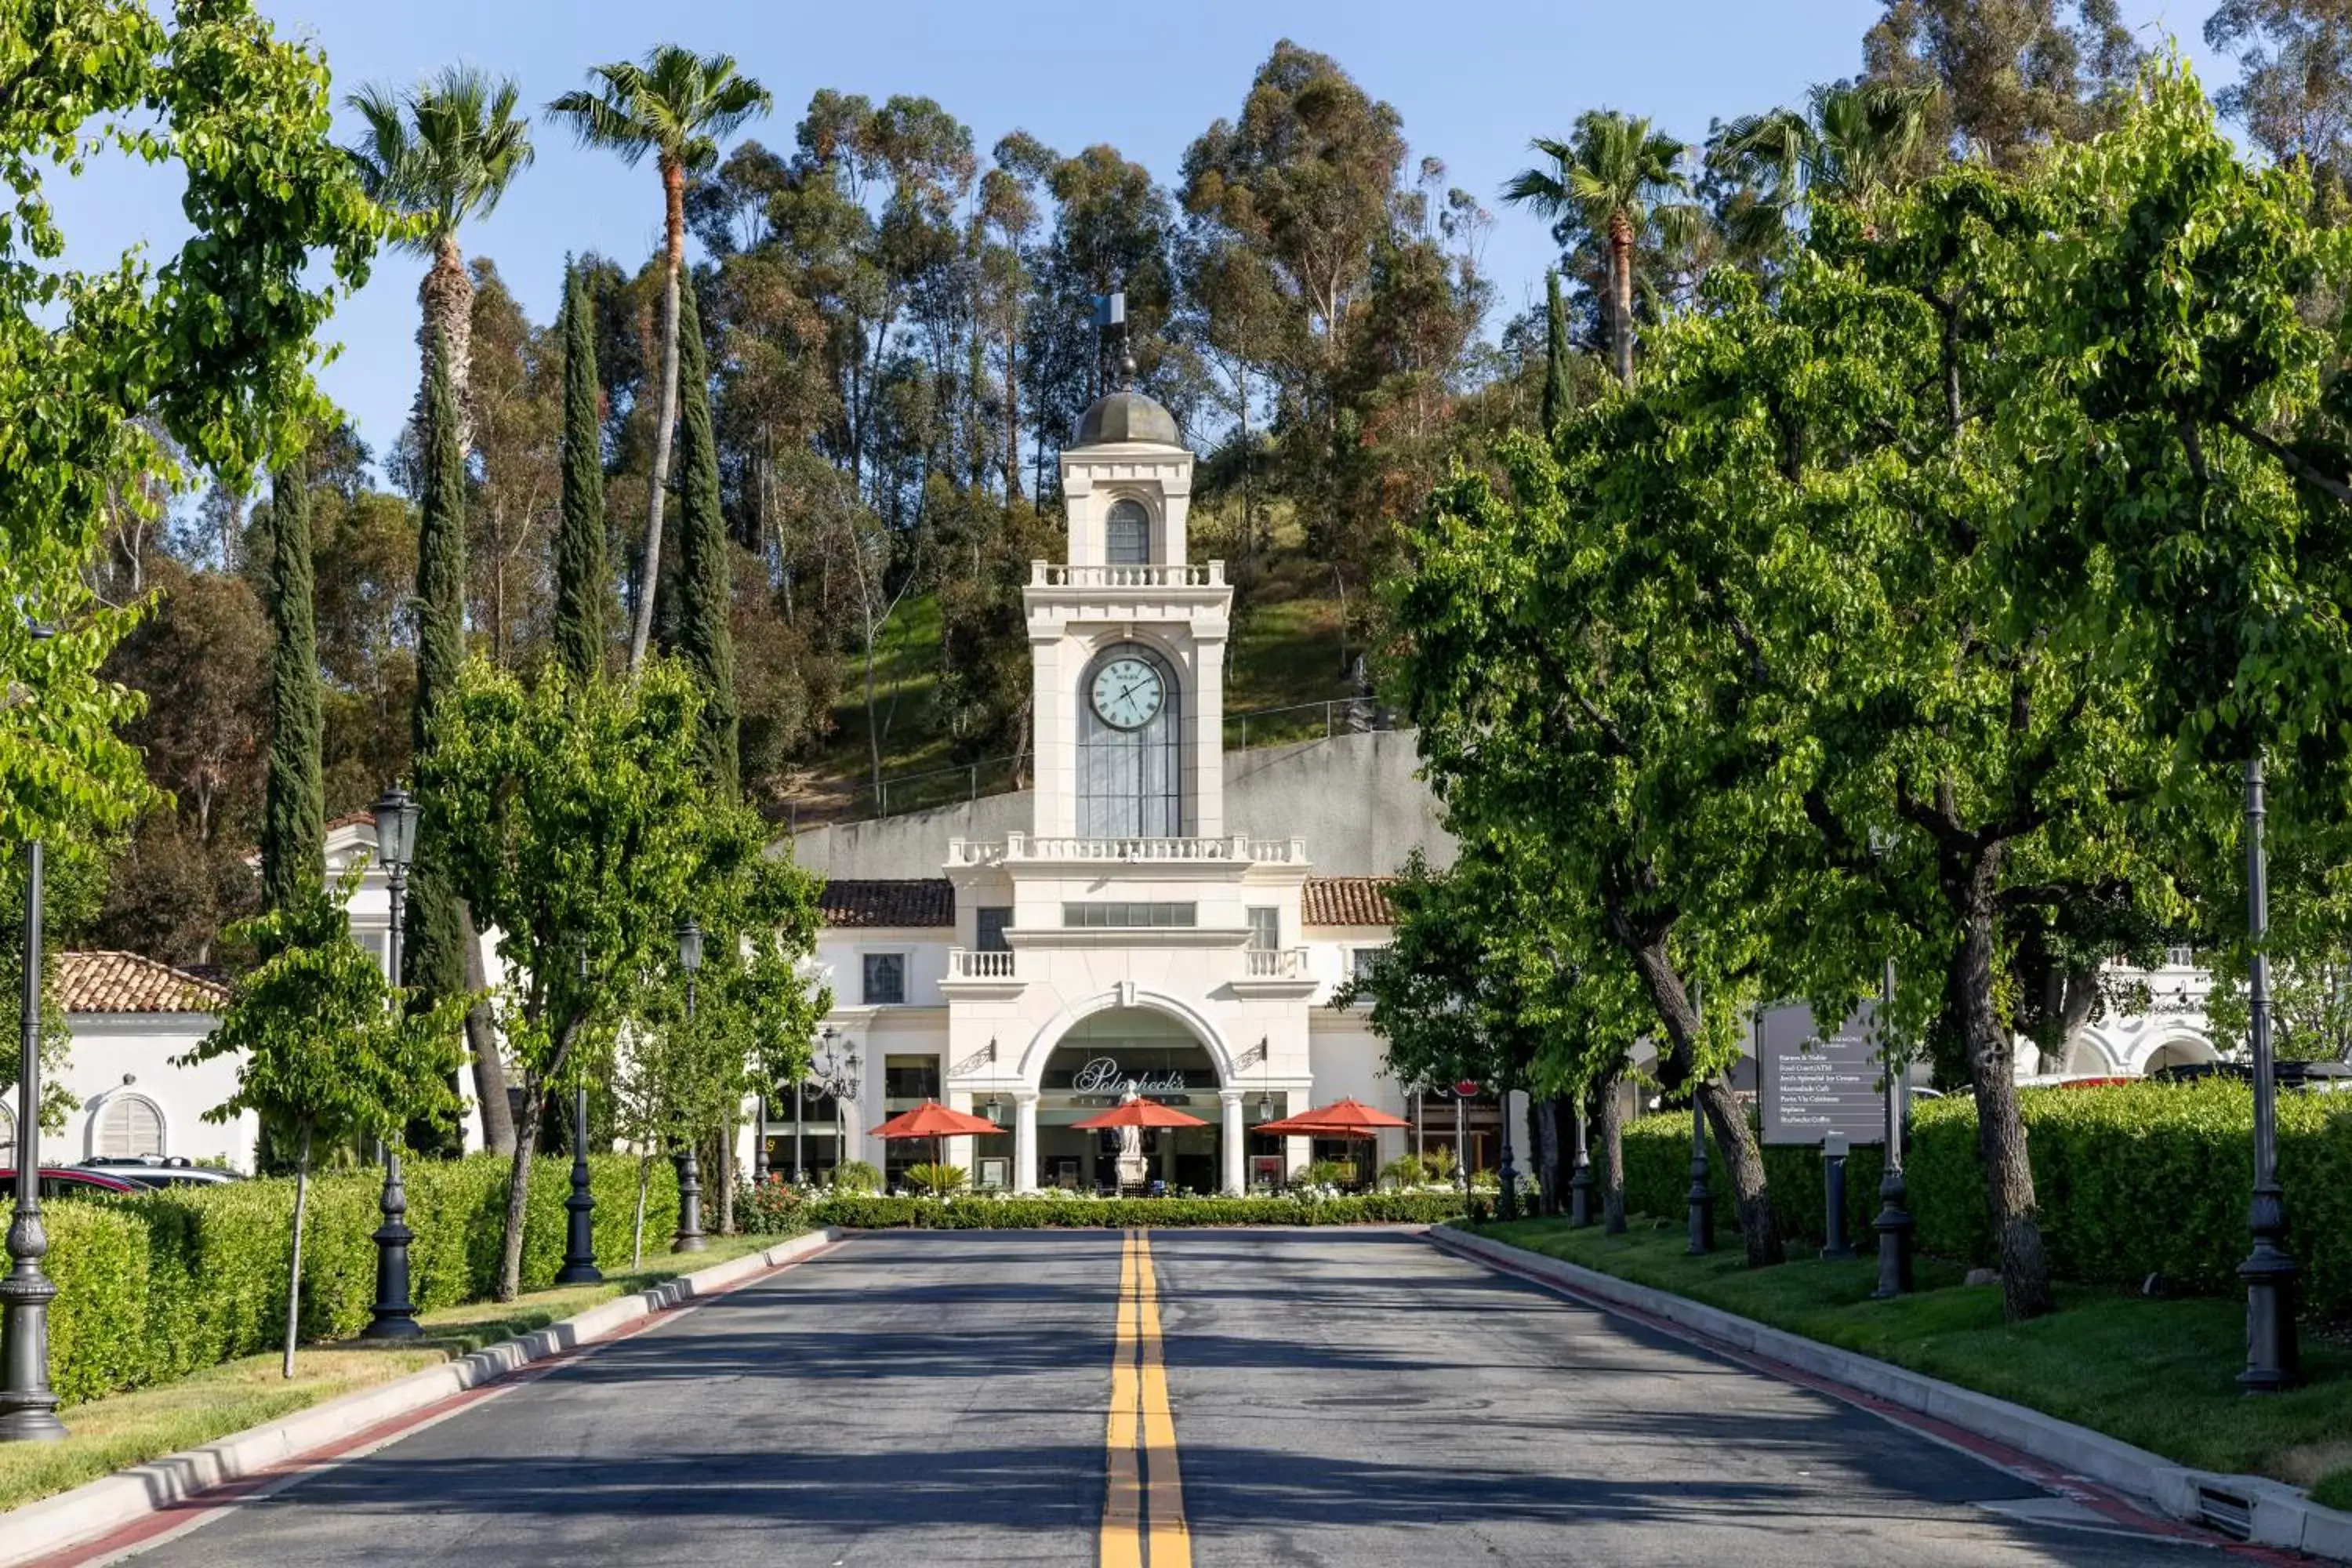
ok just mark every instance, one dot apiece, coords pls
pixel 1555 389
pixel 441 957
pixel 705 597
pixel 294 810
pixel 583 587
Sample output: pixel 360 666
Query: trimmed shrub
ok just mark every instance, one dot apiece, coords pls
pixel 2132 1180
pixel 1051 1213
pixel 153 1287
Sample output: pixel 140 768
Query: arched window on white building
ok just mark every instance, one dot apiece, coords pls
pixel 125 1126
pixel 7 1136
pixel 1127 536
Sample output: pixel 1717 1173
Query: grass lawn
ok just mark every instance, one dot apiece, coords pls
pixel 2159 1374
pixel 106 1434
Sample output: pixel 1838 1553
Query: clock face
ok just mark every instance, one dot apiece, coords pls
pixel 1128 693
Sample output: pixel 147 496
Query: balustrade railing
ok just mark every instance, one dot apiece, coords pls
pixel 1172 575
pixel 1278 963
pixel 979 963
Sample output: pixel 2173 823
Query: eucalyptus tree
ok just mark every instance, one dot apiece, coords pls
pixel 1610 179
pixel 678 107
pixel 2014 77
pixel 2293 91
pixel 440 155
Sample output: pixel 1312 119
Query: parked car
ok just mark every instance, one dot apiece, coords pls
pixel 65 1182
pixel 155 1171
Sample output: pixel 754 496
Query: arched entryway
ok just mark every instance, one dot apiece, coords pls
pixel 1101 1060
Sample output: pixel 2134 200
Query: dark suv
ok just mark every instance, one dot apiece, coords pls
pixel 154 1170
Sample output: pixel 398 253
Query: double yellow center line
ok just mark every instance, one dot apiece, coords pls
pixel 1143 1511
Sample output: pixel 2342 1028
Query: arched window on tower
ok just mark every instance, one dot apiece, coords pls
pixel 1127 537
pixel 1130 746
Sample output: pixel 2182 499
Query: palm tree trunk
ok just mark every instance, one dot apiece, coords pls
pixel 674 194
pixel 1621 296
pixel 446 296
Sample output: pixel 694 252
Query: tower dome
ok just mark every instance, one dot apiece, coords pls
pixel 1127 416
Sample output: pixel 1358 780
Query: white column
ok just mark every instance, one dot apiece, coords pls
pixel 1234 1142
pixel 1024 1141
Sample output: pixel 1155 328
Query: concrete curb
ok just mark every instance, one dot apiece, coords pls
pixel 100 1507
pixel 2252 1508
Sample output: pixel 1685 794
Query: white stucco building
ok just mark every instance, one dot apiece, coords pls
pixel 1121 926
pixel 130 1017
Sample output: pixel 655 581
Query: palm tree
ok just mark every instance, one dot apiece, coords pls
pixel 1852 142
pixel 1613 179
pixel 440 154
pixel 679 106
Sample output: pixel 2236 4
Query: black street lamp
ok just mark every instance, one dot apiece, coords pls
pixel 1702 1189
pixel 2273 1356
pixel 760 1134
pixel 395 1313
pixel 580 1209
pixel 28 1405
pixel 689 1167
pixel 1507 1179
pixel 1894 1224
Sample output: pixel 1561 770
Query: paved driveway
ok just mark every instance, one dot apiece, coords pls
pixel 1225 1397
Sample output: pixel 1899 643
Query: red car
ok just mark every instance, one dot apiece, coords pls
pixel 61 1182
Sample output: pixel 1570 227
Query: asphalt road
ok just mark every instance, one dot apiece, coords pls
pixel 1350 1398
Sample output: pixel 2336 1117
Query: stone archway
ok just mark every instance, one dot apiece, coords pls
pixel 1163 1047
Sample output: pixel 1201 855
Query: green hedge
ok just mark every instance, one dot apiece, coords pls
pixel 2132 1179
pixel 858 1212
pixel 155 1287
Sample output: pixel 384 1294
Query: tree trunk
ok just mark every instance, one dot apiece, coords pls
pixel 526 1146
pixel 1565 1111
pixel 1621 296
pixel 1012 411
pixel 674 195
pixel 446 296
pixel 1545 1121
pixel 1609 1158
pixel 294 1261
pixel 2000 1127
pixel 637 1236
pixel 1735 1141
pixel 482 1038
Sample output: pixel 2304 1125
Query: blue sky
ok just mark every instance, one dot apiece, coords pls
pixel 1473 79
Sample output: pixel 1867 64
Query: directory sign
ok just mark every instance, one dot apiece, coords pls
pixel 1810 1086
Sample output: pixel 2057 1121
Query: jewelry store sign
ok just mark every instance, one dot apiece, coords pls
pixel 1809 1086
pixel 1102 1082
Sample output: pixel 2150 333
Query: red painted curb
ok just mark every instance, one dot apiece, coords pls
pixel 195 1510
pixel 2110 1505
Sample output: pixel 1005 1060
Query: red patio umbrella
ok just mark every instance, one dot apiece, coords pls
pixel 1140 1113
pixel 1343 1119
pixel 932 1120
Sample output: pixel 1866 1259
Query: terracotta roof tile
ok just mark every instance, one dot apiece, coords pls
pixel 1349 901
pixel 914 902
pixel 126 982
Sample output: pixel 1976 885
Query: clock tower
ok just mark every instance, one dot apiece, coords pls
pixel 1127 641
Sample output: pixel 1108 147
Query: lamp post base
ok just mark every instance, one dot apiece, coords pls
pixel 1893 1226
pixel 393 1316
pixel 2273 1356
pixel 690 1237
pixel 28 1405
pixel 580 1229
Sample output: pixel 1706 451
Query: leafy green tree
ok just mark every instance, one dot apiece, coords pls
pixel 294 830
pixel 325 1048
pixel 2293 91
pixel 211 347
pixel 1611 179
pixel 572 820
pixel 2012 76
pixel 443 955
pixel 677 106
pixel 440 155
pixel 582 585
pixel 706 597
